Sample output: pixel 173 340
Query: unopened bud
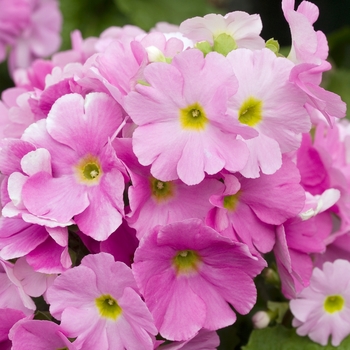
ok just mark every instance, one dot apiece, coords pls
pixel 261 319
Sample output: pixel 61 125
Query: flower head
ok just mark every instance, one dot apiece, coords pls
pixel 322 309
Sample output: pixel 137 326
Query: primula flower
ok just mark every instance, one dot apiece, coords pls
pixel 188 275
pixel 87 179
pixel 98 303
pixel 225 33
pixel 263 202
pixel 322 309
pixel 41 35
pixel 267 102
pixel 153 202
pixel 183 129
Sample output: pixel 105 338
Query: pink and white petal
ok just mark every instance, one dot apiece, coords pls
pixel 35 161
pixel 14 186
pixel 11 153
pixel 62 157
pixel 54 198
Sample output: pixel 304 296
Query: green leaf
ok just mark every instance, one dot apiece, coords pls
pixel 282 338
pixel 146 13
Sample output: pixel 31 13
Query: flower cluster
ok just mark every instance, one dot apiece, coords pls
pixel 177 159
pixel 30 28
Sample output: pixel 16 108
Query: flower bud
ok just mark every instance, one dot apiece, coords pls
pixel 261 319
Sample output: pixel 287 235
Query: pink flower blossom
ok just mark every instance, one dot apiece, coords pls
pixel 153 202
pixel 322 309
pixel 188 275
pixel 98 303
pixel 87 179
pixel 183 129
pixel 41 35
pixel 243 29
pixel 267 102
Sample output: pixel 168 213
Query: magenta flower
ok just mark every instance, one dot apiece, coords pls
pixel 98 303
pixel 323 309
pixel 188 275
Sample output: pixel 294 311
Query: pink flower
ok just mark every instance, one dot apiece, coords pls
pixel 154 202
pixel 238 28
pixel 87 179
pixel 188 275
pixel 322 309
pixel 41 35
pixel 183 129
pixel 248 208
pixel 98 303
pixel 268 103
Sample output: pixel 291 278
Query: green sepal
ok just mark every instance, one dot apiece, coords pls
pixel 204 46
pixel 273 45
pixel 224 44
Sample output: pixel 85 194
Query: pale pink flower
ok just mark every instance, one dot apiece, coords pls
pixel 267 102
pixel 244 29
pixel 98 303
pixel 322 309
pixel 183 129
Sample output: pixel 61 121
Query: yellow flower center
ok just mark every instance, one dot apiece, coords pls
pixel 108 307
pixel 334 303
pixel 88 170
pixel 161 190
pixel 186 261
pixel 231 201
pixel 250 112
pixel 193 117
